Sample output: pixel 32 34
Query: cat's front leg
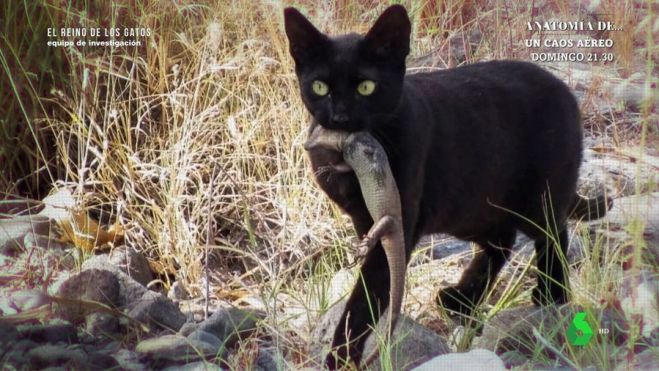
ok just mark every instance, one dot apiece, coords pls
pixel 368 299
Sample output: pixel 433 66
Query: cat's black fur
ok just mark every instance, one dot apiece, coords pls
pixel 480 152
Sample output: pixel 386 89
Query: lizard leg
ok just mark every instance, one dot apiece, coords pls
pixel 377 231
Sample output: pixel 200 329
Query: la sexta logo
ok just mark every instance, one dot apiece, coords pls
pixel 579 333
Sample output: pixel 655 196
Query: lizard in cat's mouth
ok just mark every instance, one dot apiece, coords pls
pixel 338 165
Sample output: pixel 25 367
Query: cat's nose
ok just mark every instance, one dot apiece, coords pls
pixel 340 118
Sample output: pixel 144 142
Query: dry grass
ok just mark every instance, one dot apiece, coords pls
pixel 140 134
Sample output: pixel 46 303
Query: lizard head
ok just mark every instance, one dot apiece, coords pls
pixel 333 140
pixel 319 137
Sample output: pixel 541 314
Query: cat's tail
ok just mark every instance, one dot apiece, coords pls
pixel 589 208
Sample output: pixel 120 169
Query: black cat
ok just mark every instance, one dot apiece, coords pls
pixel 480 152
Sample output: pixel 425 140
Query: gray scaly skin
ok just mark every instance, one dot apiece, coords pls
pixel 366 157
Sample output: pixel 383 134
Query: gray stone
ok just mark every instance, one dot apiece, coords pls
pixel 177 348
pixel 188 328
pixel 128 360
pixel 100 324
pixel 157 311
pixel 450 247
pixel 639 299
pixel 14 230
pixel 57 205
pixel 177 292
pixel 101 361
pixel 130 290
pixel 206 337
pixel 8 332
pixel 513 329
pixel 195 366
pixel 476 359
pixel 652 340
pixel 626 211
pixel 56 355
pixel 413 343
pixel 16 355
pixel 646 360
pixel 513 358
pixel 50 333
pixel 89 285
pixel 32 240
pixel 231 324
pixel 23 300
pixel 131 262
pixel 269 359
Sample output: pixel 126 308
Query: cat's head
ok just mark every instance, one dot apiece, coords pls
pixel 350 82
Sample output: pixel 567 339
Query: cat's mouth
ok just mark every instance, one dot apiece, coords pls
pixel 341 166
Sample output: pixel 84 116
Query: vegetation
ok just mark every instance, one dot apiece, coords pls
pixel 201 126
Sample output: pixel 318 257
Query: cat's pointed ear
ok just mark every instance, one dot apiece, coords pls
pixel 390 35
pixel 303 38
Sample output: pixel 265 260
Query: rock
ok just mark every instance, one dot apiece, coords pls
pixel 131 262
pixel 413 343
pixel 176 348
pixel 14 230
pixel 57 355
pixel 101 361
pixel 89 285
pixel 341 284
pixel 639 299
pixel 101 324
pixel 93 285
pixel 230 324
pixel 627 210
pixel 450 247
pixel 644 207
pixel 38 241
pixel 195 366
pixel 16 354
pixel 130 290
pixel 177 292
pixel 613 174
pixel 8 333
pixel 269 359
pixel 513 358
pixel 513 329
pixel 157 311
pixel 50 333
pixel 23 300
pixel 632 94
pixel 58 204
pixel 206 337
pixel 128 360
pixel 188 328
pixel 646 360
pixel 53 251
pixel 477 359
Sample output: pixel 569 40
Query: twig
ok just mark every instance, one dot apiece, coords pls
pixel 209 235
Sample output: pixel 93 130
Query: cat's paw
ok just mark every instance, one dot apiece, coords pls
pixel 542 297
pixel 455 301
pixel 334 361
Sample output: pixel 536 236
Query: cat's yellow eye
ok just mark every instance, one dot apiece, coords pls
pixel 319 88
pixel 366 87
